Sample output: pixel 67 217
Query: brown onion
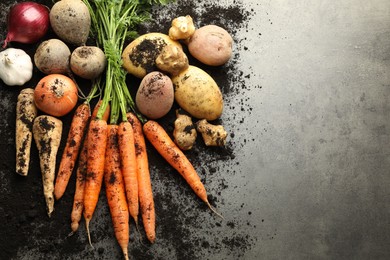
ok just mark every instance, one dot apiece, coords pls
pixel 27 23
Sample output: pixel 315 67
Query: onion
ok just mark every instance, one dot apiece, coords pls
pixel 27 23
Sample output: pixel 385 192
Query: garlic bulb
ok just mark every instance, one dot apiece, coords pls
pixel 16 67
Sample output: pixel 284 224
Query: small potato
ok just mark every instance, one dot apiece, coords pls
pixel 52 57
pixel 155 95
pixel 88 62
pixel 139 56
pixel 211 45
pixel 197 93
pixel 71 21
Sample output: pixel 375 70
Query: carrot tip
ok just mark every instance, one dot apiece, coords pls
pixel 88 233
pixel 125 253
pixel 213 210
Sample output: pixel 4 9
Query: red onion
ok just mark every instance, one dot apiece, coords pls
pixel 27 23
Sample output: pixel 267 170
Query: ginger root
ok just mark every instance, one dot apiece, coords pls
pixel 213 135
pixel 172 60
pixel 184 133
pixel 182 28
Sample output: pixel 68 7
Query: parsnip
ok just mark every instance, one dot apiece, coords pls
pixel 26 112
pixel 47 132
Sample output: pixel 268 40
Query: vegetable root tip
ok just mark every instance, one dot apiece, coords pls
pixel 88 233
pixel 214 210
pixel 125 253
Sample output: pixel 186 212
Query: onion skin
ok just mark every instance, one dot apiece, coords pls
pixel 56 95
pixel 28 22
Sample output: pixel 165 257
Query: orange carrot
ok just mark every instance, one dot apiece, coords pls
pixel 72 147
pixel 78 200
pixel 106 114
pixel 115 190
pixel 96 147
pixel 129 167
pixel 145 192
pixel 159 138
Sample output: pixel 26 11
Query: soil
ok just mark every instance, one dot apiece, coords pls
pixel 186 229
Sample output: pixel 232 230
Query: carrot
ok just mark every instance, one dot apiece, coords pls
pixel 78 200
pixel 129 167
pixel 159 138
pixel 105 115
pixel 115 190
pixel 96 147
pixel 71 150
pixel 146 201
pixel 26 111
pixel 47 132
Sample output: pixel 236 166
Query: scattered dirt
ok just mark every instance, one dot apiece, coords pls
pixel 186 228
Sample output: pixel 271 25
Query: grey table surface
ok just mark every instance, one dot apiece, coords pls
pixel 318 172
pixel 310 178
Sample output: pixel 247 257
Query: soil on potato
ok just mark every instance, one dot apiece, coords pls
pixel 186 229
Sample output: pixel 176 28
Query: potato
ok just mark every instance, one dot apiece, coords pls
pixel 197 93
pixel 139 57
pixel 88 62
pixel 211 45
pixel 155 95
pixel 52 57
pixel 71 21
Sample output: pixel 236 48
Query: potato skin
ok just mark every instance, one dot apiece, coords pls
pixel 197 93
pixel 211 45
pixel 139 56
pixel 155 95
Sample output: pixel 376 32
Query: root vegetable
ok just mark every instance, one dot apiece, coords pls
pixel 213 135
pixel 52 57
pixel 198 94
pixel 129 167
pixel 184 132
pixel 182 28
pixel 155 95
pixel 71 150
pixel 88 62
pixel 172 60
pixel 56 95
pixel 159 138
pixel 139 56
pixel 97 141
pixel 78 198
pixel 211 45
pixel 71 21
pixel 145 192
pixel 47 132
pixel 26 112
pixel 115 190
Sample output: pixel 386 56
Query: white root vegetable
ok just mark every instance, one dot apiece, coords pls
pixel 26 112
pixel 213 135
pixel 71 21
pixel 88 62
pixel 52 57
pixel 182 28
pixel 47 132
pixel 184 132
pixel 16 67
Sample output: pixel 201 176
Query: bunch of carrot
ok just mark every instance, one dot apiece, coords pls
pixel 107 147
